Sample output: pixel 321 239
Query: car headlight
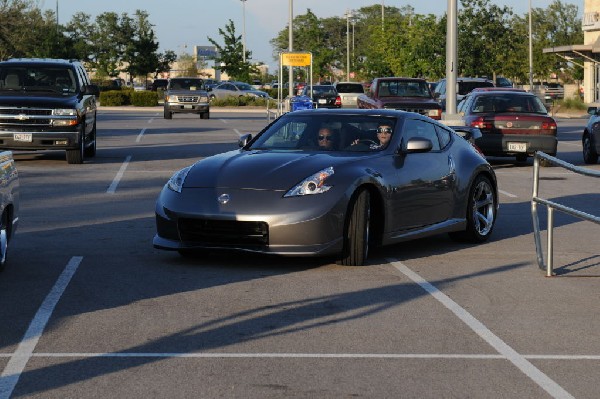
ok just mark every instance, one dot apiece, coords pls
pixel 64 112
pixel 204 99
pixel 176 181
pixel 314 184
pixel 68 117
pixel 172 98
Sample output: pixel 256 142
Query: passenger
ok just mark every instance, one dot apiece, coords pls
pixel 384 135
pixel 327 139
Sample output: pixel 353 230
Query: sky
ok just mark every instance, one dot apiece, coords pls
pixel 182 24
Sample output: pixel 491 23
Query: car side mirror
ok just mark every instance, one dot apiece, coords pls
pixel 244 140
pixel 592 110
pixel 92 90
pixel 418 144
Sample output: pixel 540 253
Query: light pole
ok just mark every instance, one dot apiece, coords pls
pixel 244 30
pixel 348 14
pixel 291 46
pixel 382 14
pixel 530 51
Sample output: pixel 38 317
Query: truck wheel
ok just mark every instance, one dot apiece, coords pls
pixel 4 232
pixel 76 156
pixel 204 115
pixel 168 114
pixel 90 151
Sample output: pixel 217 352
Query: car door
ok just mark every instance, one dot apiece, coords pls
pixel 424 183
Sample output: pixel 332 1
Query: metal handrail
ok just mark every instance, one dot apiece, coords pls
pixel 551 205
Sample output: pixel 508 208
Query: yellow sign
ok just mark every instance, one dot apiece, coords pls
pixel 296 59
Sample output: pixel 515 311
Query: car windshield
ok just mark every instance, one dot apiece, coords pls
pixel 399 88
pixel 48 79
pixel 465 88
pixel 349 88
pixel 508 102
pixel 186 84
pixel 244 86
pixel 314 132
pixel 320 90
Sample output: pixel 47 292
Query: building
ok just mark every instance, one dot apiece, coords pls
pixel 588 53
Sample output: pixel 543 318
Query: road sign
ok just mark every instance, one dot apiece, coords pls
pixel 296 59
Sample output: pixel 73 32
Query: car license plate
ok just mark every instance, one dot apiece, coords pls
pixel 23 137
pixel 187 106
pixel 322 101
pixel 517 147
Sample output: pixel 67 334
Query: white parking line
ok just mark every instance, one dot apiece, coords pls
pixel 139 137
pixel 507 194
pixel 569 143
pixel 113 186
pixel 224 120
pixel 237 132
pixel 480 329
pixel 18 360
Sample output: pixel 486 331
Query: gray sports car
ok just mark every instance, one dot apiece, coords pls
pixel 331 182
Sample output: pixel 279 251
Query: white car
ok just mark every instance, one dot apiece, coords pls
pixel 349 92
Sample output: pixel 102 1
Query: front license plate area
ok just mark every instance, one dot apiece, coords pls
pixel 517 147
pixel 188 106
pixel 322 101
pixel 26 137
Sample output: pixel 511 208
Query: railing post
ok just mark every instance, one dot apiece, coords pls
pixel 534 212
pixel 549 268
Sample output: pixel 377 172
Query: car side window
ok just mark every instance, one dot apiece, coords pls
pixel 444 136
pixel 422 129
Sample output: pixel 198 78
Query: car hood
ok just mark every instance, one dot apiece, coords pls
pixel 36 100
pixel 260 170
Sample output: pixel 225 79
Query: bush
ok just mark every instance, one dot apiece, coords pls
pixel 242 101
pixel 573 103
pixel 144 98
pixel 115 97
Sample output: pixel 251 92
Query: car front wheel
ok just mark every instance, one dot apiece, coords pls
pixel 4 232
pixel 481 212
pixel 356 232
pixel 590 156
pixel 76 156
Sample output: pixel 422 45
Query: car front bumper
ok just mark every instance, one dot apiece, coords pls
pixel 187 108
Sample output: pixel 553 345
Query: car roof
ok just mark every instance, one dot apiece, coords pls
pixel 480 89
pixel 44 61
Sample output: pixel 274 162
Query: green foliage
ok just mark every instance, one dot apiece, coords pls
pixel 144 98
pixel 574 103
pixel 115 97
pixel 242 101
pixel 231 55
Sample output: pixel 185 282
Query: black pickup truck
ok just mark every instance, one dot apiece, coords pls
pixel 48 104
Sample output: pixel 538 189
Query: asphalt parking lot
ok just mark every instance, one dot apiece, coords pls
pixel 91 310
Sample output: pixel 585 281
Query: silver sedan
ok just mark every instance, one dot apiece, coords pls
pixel 235 89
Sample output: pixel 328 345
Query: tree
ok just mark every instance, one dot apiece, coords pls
pixel 230 54
pixel 140 52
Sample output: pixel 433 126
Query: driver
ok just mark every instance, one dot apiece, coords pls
pixel 384 135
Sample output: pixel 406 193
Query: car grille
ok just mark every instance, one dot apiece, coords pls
pixel 187 99
pixel 224 233
pixel 24 117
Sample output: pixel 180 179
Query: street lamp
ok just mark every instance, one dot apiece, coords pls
pixel 348 16
pixel 530 52
pixel 291 46
pixel 244 30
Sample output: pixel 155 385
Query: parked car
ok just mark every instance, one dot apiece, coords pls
pixel 48 104
pixel 186 95
pixel 463 87
pixel 159 84
pixel 235 89
pixel 282 193
pixel 591 137
pixel 349 92
pixel 512 122
pixel 9 203
pixel 323 96
pixel 406 94
pixel 503 82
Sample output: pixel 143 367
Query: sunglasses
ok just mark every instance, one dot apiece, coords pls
pixel 328 138
pixel 384 130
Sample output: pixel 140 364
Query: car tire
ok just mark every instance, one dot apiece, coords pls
pixel 76 156
pixel 590 156
pixel 205 115
pixel 4 234
pixel 481 212
pixel 90 151
pixel 355 248
pixel 168 114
